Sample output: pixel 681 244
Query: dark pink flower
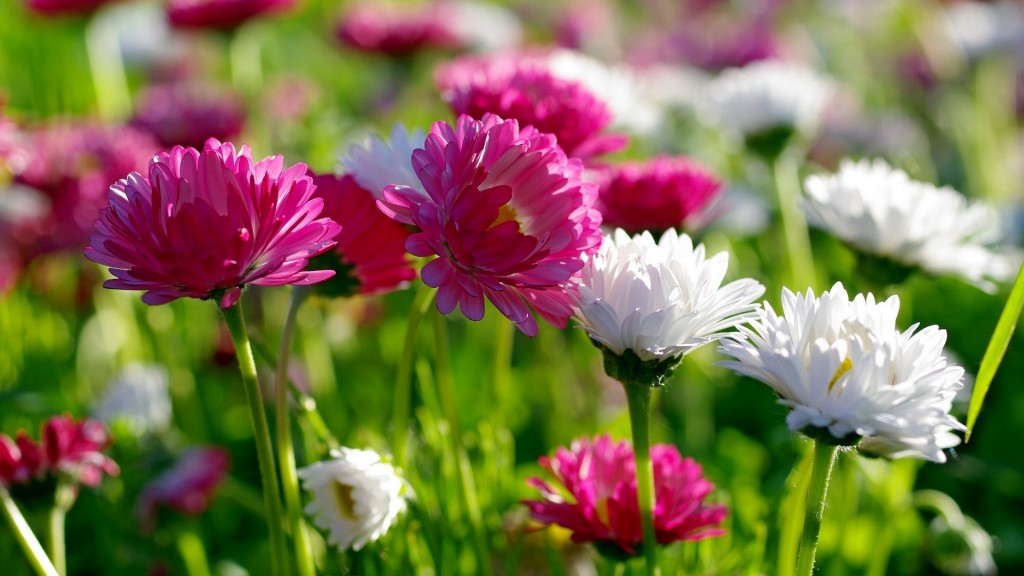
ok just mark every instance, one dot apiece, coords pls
pixel 507 214
pixel 76 448
pixel 205 224
pixel 188 114
pixel 395 29
pixel 596 495
pixel 655 194
pixel 370 255
pixel 524 87
pixel 220 14
pixel 186 487
pixel 20 460
pixel 61 7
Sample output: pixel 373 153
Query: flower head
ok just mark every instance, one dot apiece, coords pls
pixel 847 373
pixel 356 496
pixel 657 301
pixel 73 448
pixel 505 212
pixel 205 224
pixel 223 14
pixel 658 194
pixel 882 212
pixel 596 496
pixel 188 115
pixel 65 7
pixel 395 29
pixel 186 487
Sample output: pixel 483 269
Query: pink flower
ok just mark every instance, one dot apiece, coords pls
pixel 370 255
pixel 597 498
pixel 62 7
pixel 656 194
pixel 205 224
pixel 507 214
pixel 76 448
pixel 20 460
pixel 524 87
pixel 188 115
pixel 186 487
pixel 222 14
pixel 395 29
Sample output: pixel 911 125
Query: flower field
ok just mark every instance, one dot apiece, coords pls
pixel 440 287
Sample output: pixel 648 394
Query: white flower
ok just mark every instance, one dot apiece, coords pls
pixel 842 365
pixel 356 496
pixel 767 95
pixel 660 300
pixel 380 162
pixel 881 211
pixel 978 28
pixel 485 27
pixel 139 397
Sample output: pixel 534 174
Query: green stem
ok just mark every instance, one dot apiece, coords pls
pixel 817 490
pixel 193 553
pixel 504 338
pixel 64 498
pixel 261 434
pixel 786 175
pixel 30 545
pixel 450 410
pixel 403 380
pixel 285 449
pixel 113 101
pixel 638 396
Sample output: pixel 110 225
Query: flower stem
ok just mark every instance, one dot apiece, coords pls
pixel 504 338
pixel 817 490
pixel 638 397
pixel 794 227
pixel 261 433
pixel 403 380
pixel 285 449
pixel 64 498
pixel 30 545
pixel 113 101
pixel 193 553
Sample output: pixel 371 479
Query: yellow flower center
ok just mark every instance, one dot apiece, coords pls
pixel 845 367
pixel 505 213
pixel 343 498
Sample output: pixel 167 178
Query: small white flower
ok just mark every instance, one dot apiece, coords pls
pixel 659 299
pixel 380 162
pixel 356 496
pixel 485 27
pixel 842 365
pixel 880 210
pixel 138 396
pixel 978 28
pixel 767 95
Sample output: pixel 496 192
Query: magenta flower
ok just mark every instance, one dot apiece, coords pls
pixel 220 14
pixel 596 497
pixel 370 255
pixel 70 447
pixel 63 7
pixel 21 460
pixel 507 214
pixel 656 194
pixel 205 224
pixel 186 487
pixel 525 87
pixel 188 115
pixel 396 29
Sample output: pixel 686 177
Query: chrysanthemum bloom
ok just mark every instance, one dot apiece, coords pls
pixel 370 253
pixel 646 304
pixel 596 496
pixel 507 215
pixel 139 398
pixel 186 487
pixel 76 448
pixel 525 87
pixel 205 224
pixel 894 220
pixel 65 7
pixel 657 194
pixel 21 460
pixel 848 374
pixel 356 496
pixel 221 14
pixel 188 115
pixel 395 29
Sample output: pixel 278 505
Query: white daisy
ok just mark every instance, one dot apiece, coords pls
pixel 379 162
pixel 659 300
pixel 881 211
pixel 139 397
pixel 843 367
pixel 356 496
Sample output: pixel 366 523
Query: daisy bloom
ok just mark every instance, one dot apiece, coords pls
pixel 595 496
pixel 205 224
pixel 356 496
pixel 882 213
pixel 222 14
pixel 506 213
pixel 646 304
pixel 848 374
pixel 657 194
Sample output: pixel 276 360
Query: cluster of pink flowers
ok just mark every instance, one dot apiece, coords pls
pixel 596 496
pixel 67 447
pixel 186 487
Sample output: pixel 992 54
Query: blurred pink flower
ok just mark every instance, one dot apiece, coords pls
pixel 63 7
pixel 655 194
pixel 205 224
pixel 506 212
pixel 370 255
pixel 395 29
pixel 186 487
pixel 524 87
pixel 67 446
pixel 188 114
pixel 221 14
pixel 20 460
pixel 596 497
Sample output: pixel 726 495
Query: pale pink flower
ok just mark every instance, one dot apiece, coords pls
pixel 222 14
pixel 185 487
pixel 179 114
pixel 205 224
pixel 656 194
pixel 595 496
pixel 507 214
